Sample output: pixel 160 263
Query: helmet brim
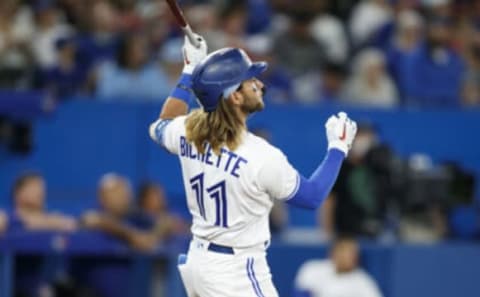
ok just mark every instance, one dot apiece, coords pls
pixel 256 69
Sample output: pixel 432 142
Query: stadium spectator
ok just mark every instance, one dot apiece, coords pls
pixel 152 202
pixel 49 27
pixel 158 23
pixel 338 276
pixel 370 83
pixel 435 73
pixel 30 213
pixel 355 205
pixel 171 60
pixel 16 27
pixel 367 19
pixel 231 26
pixel 343 9
pixel 333 79
pixel 259 16
pixel 472 81
pixel 329 31
pixel 76 13
pixel 129 18
pixel 133 76
pixel 296 49
pixel 203 17
pixel 326 86
pixel 68 77
pixel 3 222
pixel 441 8
pixel 406 39
pixel 100 43
pixel 278 80
pixel 115 197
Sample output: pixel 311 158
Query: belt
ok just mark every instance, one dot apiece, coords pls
pixel 220 249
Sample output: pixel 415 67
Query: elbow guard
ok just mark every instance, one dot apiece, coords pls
pixel 157 129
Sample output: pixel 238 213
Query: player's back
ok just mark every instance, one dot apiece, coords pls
pixel 229 194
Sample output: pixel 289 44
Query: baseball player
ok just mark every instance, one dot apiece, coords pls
pixel 231 176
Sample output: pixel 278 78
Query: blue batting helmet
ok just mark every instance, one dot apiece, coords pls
pixel 221 73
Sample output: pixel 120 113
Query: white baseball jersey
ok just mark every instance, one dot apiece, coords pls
pixel 320 279
pixel 230 195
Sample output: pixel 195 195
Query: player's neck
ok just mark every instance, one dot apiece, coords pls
pixel 242 115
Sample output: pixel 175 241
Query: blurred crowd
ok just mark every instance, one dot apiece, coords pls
pixel 142 222
pixel 378 53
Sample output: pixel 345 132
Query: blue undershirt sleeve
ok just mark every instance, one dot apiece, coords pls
pixel 314 190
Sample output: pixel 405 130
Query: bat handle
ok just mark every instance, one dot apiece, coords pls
pixel 191 36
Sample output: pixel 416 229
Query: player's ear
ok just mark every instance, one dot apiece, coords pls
pixel 237 98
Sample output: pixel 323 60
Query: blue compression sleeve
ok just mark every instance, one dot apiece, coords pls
pixel 314 190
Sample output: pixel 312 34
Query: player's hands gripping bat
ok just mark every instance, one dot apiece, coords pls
pixel 341 131
pixel 182 22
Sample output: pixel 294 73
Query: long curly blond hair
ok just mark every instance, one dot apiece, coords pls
pixel 221 127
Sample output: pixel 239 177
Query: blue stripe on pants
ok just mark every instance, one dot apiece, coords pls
pixel 253 280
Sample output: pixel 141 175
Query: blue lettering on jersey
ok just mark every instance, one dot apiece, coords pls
pixel 231 155
pixel 208 154
pixel 228 161
pixel 237 166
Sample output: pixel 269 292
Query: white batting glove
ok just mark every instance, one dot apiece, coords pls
pixel 192 55
pixel 340 132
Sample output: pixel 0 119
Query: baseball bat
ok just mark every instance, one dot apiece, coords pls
pixel 182 22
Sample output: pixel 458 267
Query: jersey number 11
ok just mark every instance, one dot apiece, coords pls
pixel 217 192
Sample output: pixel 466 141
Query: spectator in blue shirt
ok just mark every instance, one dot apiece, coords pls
pixel 113 216
pixel 406 40
pixel 259 16
pixel 152 203
pixel 29 192
pixel 333 78
pixel 100 43
pixel 68 77
pixel 133 76
pixel 434 73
